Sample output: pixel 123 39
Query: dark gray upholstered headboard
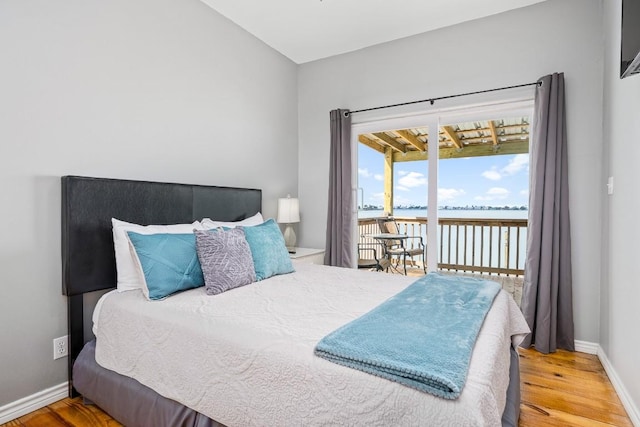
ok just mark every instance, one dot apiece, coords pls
pixel 88 204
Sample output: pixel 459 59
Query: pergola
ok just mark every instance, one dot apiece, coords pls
pixel 461 140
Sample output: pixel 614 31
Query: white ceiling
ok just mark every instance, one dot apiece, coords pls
pixel 306 30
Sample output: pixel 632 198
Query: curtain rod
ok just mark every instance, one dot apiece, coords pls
pixel 432 100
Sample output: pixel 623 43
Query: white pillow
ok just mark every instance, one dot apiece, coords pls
pixel 257 219
pixel 128 270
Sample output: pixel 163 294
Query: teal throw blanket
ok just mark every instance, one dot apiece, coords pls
pixel 422 337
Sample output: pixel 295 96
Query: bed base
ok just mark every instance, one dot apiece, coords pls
pixel 114 393
pixel 128 401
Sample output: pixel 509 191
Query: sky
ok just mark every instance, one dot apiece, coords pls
pixel 488 180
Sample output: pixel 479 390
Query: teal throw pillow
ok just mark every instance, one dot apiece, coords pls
pixel 269 253
pixel 169 263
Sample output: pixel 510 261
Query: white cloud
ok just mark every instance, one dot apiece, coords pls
pixel 402 173
pixel 401 188
pixel 449 193
pixel 492 174
pixel 364 172
pixel 519 162
pixel 524 192
pixel 378 177
pixel 494 193
pixel 412 180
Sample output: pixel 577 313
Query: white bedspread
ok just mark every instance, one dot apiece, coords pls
pixel 245 357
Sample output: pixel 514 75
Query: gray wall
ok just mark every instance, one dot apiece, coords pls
pixel 510 48
pixel 164 90
pixel 620 284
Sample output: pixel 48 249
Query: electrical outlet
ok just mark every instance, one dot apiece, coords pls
pixel 60 347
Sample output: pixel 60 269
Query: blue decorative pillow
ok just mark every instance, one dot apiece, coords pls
pixel 269 253
pixel 169 263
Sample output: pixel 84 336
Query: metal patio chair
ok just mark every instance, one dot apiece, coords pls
pixel 371 258
pixel 399 249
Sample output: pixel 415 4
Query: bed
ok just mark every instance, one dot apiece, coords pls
pixel 251 362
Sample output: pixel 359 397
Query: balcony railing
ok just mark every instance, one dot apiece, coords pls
pixel 489 246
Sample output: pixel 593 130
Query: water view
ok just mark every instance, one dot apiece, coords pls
pixel 449 213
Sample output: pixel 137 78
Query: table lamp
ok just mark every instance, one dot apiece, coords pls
pixel 289 213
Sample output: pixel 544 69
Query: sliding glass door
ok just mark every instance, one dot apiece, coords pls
pixel 454 164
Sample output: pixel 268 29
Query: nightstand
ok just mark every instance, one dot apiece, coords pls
pixel 313 256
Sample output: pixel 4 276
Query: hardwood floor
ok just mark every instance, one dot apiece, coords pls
pixel 567 389
pixel 561 389
pixel 65 413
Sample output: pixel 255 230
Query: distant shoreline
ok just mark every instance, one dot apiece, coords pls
pixel 494 213
pixel 451 208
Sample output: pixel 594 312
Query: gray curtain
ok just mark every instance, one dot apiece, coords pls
pixel 339 246
pixel 547 297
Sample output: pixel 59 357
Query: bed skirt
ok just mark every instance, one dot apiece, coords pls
pixel 133 404
pixel 126 400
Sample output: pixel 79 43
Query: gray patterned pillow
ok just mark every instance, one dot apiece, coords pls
pixel 225 259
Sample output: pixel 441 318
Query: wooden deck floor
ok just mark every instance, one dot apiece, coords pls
pixel 560 389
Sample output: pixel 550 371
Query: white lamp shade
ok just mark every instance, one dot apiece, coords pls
pixel 288 211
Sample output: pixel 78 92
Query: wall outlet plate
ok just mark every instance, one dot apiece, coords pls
pixel 60 347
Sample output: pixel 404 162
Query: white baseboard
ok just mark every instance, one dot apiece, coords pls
pixel 586 347
pixel 621 390
pixel 38 400
pixel 623 394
